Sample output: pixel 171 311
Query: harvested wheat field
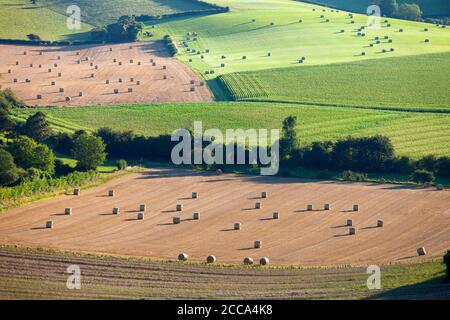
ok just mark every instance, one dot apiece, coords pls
pixel 92 74
pixel 412 218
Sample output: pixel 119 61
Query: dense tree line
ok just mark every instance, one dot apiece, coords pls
pixel 407 11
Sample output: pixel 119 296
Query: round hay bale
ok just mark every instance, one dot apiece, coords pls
pixel 356 207
pixel 349 223
pixel 120 80
pixel 196 216
pixel 15 80
pixel 114 60
pixel 165 77
pixel 223 57
pixel 371 45
pixel 176 220
pixel 363 53
pixel 426 185
pixel 248 261
pixel 179 207
pixel 342 30
pixel 138 83
pixel 222 65
pixel 352 22
pixel 244 57
pixel 77 192
pixel 253 20
pixel 17 63
pixel 96 67
pixel 31 65
pixel 257 244
pixel 427 40
pixel 40 66
pixel 107 81
pixel 269 54
pixel 276 215
pixel 59 57
pixel 272 23
pixel 49 224
pixel 190 60
pixel 27 80
pixel 68 211
pixel 391 49
pixel 421 251
pixel 380 223
pixel 440 187
pixel 202 83
pixel 68 98
pixel 60 74
pixel 211 259
pixel 300 21
pixel 120 63
pixel 400 30
pixel 194 195
pixel 131 61
pixel 390 41
pixel 264 195
pixel 142 207
pixel 9 71
pixel 140 216
pixel 164 67
pixel 116 91
pixel 219 172
pixel 110 49
pixel 264 261
pixel 309 207
pixel 139 63
pixel 237 226
pixel 24 53
pixel 91 64
pixel 116 211
pixel 92 75
pixel 80 94
pixel 130 90
pixel 39 97
pixel 258 205
pixel 192 89
pixel 183 257
pixel 351 231
pixel 326 206
pixel 154 64
pixel 388 25
pixel 111 193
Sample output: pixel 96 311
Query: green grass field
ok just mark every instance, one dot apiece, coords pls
pixel 48 18
pixel 101 12
pixel 430 8
pixel 415 82
pixel 413 133
pixel 19 18
pixel 234 35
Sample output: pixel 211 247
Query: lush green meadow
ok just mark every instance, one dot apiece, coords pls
pixel 413 133
pixel 415 82
pixel 19 18
pixel 101 12
pixel 234 35
pixel 432 8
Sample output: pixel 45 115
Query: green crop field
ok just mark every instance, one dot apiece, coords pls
pixel 234 35
pixel 19 18
pixel 416 82
pixel 101 12
pixel 48 18
pixel 413 133
pixel 430 8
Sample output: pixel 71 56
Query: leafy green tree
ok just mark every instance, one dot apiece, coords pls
pixel 37 127
pixel 409 11
pixel 8 170
pixel 29 154
pixel 89 151
pixel 22 150
pixel 122 164
pixel 6 123
pixel 43 159
pixel 8 100
pixel 289 140
pixel 388 7
pixel 422 176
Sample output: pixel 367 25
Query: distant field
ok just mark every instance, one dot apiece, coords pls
pixel 413 133
pixel 234 35
pixel 430 8
pixel 106 277
pixel 416 82
pixel 19 18
pixel 101 12
pixel 48 18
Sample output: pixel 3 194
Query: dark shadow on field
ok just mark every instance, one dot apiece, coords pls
pixel 342 235
pixel 434 289
pixel 227 230
pixel 245 249
pixel 267 219
pixel 169 211
pixel 38 228
pixel 169 173
pixel 370 227
pixel 339 226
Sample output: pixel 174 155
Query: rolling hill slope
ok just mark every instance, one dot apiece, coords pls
pixel 247 31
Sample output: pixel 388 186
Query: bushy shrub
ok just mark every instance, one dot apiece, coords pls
pixel 349 175
pixel 122 164
pixel 447 264
pixel 422 176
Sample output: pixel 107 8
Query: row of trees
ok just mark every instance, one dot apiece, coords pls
pixel 364 154
pixel 407 11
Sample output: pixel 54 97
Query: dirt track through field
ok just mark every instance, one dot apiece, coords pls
pixel 136 67
pixel 413 218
